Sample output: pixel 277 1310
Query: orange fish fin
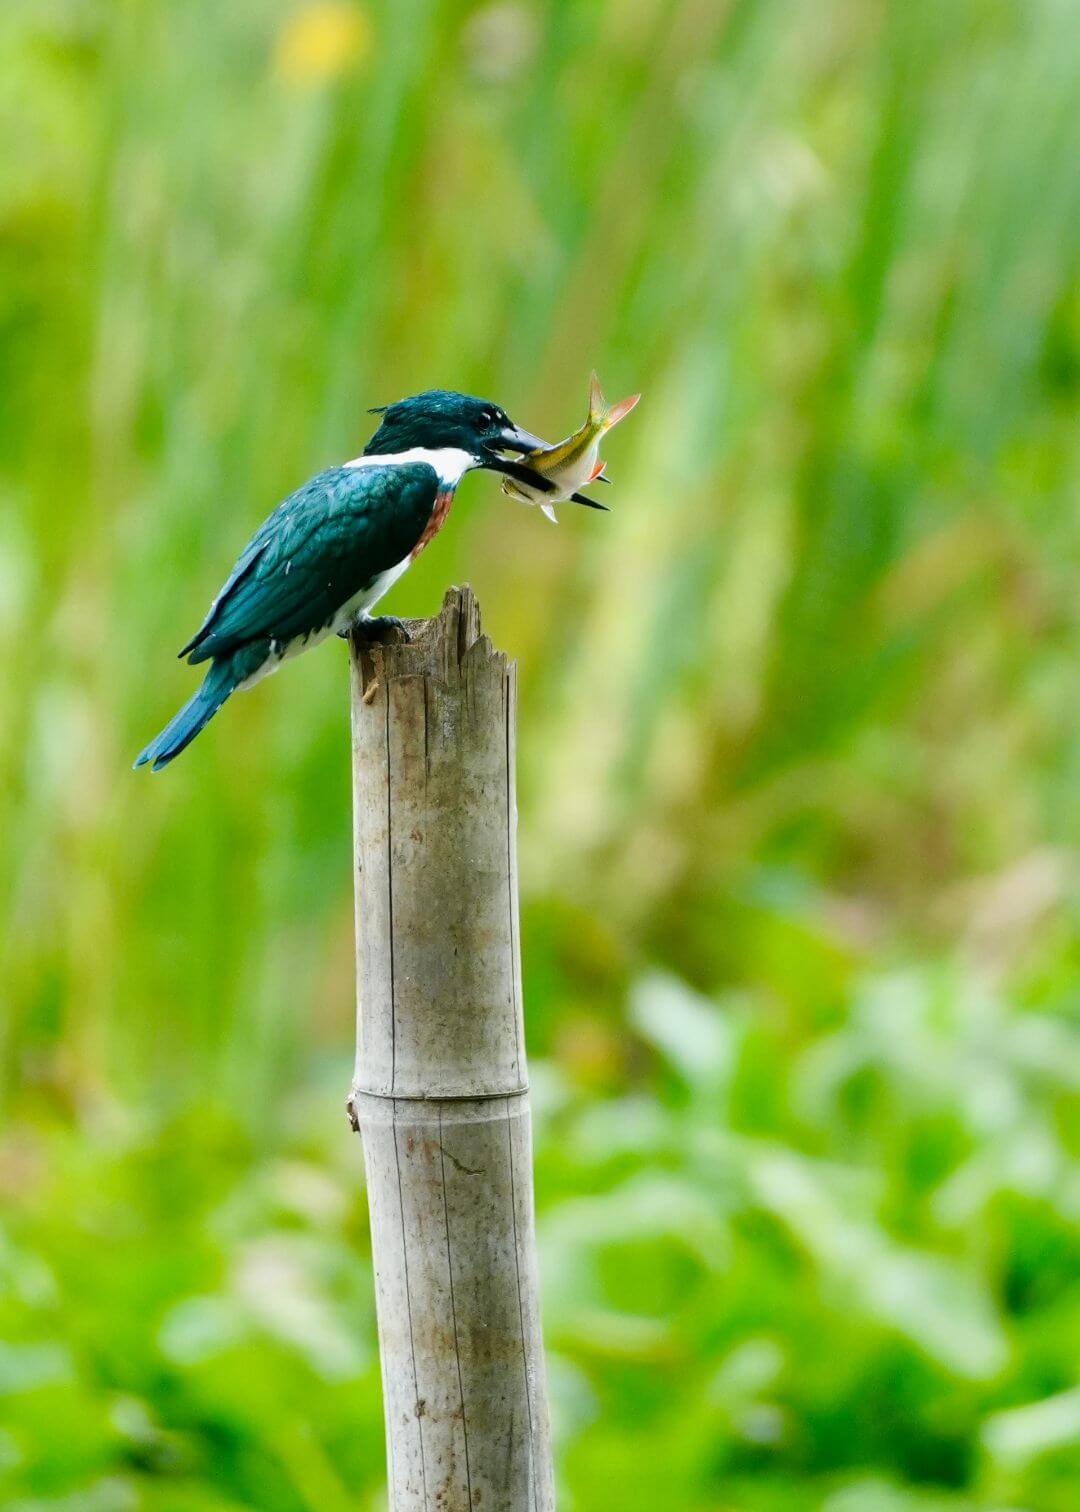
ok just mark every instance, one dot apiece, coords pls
pixel 617 412
pixel 597 470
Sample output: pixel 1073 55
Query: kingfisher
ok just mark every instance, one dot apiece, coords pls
pixel 325 556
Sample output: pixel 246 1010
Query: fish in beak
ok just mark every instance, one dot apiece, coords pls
pixel 553 474
pixel 513 438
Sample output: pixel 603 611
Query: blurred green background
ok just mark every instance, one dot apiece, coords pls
pixel 799 733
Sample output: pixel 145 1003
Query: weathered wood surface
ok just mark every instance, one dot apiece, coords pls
pixel 440 1086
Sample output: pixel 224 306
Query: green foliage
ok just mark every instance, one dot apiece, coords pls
pixel 798 735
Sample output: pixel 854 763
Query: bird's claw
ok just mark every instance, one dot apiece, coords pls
pixel 376 628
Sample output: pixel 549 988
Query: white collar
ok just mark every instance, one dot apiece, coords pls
pixel 451 463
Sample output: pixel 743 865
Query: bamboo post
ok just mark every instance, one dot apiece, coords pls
pixel 440 1093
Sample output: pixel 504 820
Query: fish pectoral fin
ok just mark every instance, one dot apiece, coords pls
pixel 549 510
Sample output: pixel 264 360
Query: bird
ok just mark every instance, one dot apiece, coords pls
pixel 323 558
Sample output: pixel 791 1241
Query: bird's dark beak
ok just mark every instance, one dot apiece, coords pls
pixel 493 462
pixel 513 438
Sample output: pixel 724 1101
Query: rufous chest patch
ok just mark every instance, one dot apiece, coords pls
pixel 436 520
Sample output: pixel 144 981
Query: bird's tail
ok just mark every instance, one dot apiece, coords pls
pixel 196 714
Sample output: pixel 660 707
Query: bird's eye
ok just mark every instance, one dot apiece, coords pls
pixel 487 417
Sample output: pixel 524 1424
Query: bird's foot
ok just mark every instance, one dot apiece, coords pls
pixel 376 628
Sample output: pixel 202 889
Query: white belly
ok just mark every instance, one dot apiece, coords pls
pixel 353 609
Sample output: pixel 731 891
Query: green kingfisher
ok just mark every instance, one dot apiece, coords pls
pixel 325 556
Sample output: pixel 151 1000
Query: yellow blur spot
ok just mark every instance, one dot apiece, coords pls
pixel 321 41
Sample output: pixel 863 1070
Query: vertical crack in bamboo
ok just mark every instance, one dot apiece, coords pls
pixel 517 1269
pixel 453 1312
pixel 408 1308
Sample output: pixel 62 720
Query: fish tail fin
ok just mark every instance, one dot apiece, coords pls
pixel 617 412
pixel 602 414
pixel 195 715
pixel 598 408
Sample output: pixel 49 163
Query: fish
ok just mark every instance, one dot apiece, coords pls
pixel 574 462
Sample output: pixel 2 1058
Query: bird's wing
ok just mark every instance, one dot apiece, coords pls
pixel 245 562
pixel 321 546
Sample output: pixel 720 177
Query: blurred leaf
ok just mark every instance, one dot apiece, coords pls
pixel 1024 1433
pixel 691 1032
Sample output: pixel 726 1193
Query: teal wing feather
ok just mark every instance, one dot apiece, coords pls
pixel 245 562
pixel 326 542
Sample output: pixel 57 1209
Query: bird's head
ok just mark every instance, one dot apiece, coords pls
pixel 440 419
